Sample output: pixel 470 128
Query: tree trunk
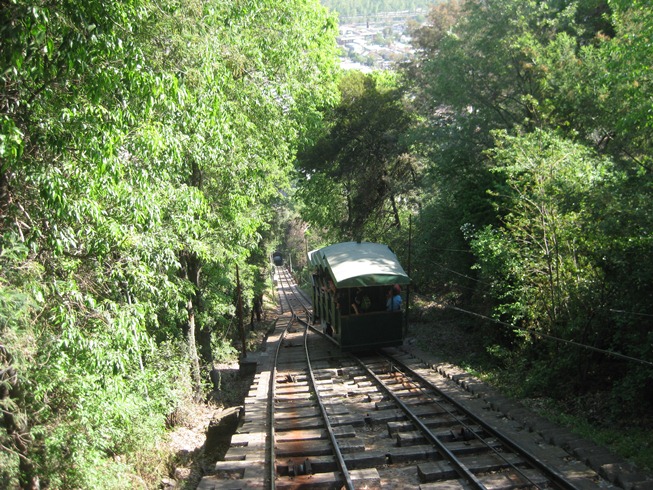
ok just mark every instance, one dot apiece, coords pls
pixel 192 350
pixel 191 272
pixel 239 314
pixel 395 211
pixel 194 267
pixel 16 427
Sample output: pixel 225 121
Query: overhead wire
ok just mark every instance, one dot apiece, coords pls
pixel 553 337
pixel 545 335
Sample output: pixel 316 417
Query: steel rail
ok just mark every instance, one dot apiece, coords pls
pixel 271 395
pixel 394 362
pixel 272 475
pixel 459 466
pixel 556 477
pixel 349 484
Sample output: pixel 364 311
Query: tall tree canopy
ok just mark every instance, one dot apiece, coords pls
pixel 356 178
pixel 536 125
pixel 141 145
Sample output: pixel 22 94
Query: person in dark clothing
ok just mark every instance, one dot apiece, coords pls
pixel 394 299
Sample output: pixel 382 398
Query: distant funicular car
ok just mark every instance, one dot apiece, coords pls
pixel 277 258
pixel 352 283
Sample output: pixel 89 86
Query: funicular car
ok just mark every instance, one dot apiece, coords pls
pixel 351 286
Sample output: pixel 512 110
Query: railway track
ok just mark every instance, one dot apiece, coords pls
pixel 382 420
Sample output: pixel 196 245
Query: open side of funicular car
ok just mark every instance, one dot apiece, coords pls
pixel 352 282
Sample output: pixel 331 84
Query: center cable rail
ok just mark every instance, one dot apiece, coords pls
pixel 290 290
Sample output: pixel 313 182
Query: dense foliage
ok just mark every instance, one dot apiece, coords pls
pixel 535 112
pixel 531 123
pixel 357 176
pixel 142 145
pixel 535 116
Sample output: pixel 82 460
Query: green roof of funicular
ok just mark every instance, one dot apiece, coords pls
pixel 352 264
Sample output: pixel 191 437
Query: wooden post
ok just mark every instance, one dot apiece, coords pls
pixel 410 246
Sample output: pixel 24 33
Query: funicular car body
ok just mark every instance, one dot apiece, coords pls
pixel 351 282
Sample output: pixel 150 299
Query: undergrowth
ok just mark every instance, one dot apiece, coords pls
pixel 458 341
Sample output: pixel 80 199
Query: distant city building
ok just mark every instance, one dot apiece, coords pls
pixel 377 43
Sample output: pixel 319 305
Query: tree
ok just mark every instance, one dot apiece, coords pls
pixel 535 125
pixel 541 263
pixel 141 145
pixel 480 66
pixel 357 173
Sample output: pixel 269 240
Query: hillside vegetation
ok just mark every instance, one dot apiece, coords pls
pixel 514 151
pixel 154 153
pixel 143 148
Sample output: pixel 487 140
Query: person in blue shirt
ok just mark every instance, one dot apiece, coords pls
pixel 394 299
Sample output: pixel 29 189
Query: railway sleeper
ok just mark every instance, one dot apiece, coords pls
pixel 479 465
pixel 282 405
pixel 398 455
pixel 298 389
pixel 508 481
pixel 292 397
pixel 409 393
pixel 326 385
pixel 420 452
pixel 431 423
pixel 299 424
pixel 373 397
pixel 291 378
pixel 325 464
pixel 318 422
pixel 414 437
pixel 314 434
pixel 366 478
pixel 316 448
pixel 349 391
pixel 428 409
pixel 359 420
pixel 283 414
pixel 364 384
pixel 234 468
pixel 288 413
